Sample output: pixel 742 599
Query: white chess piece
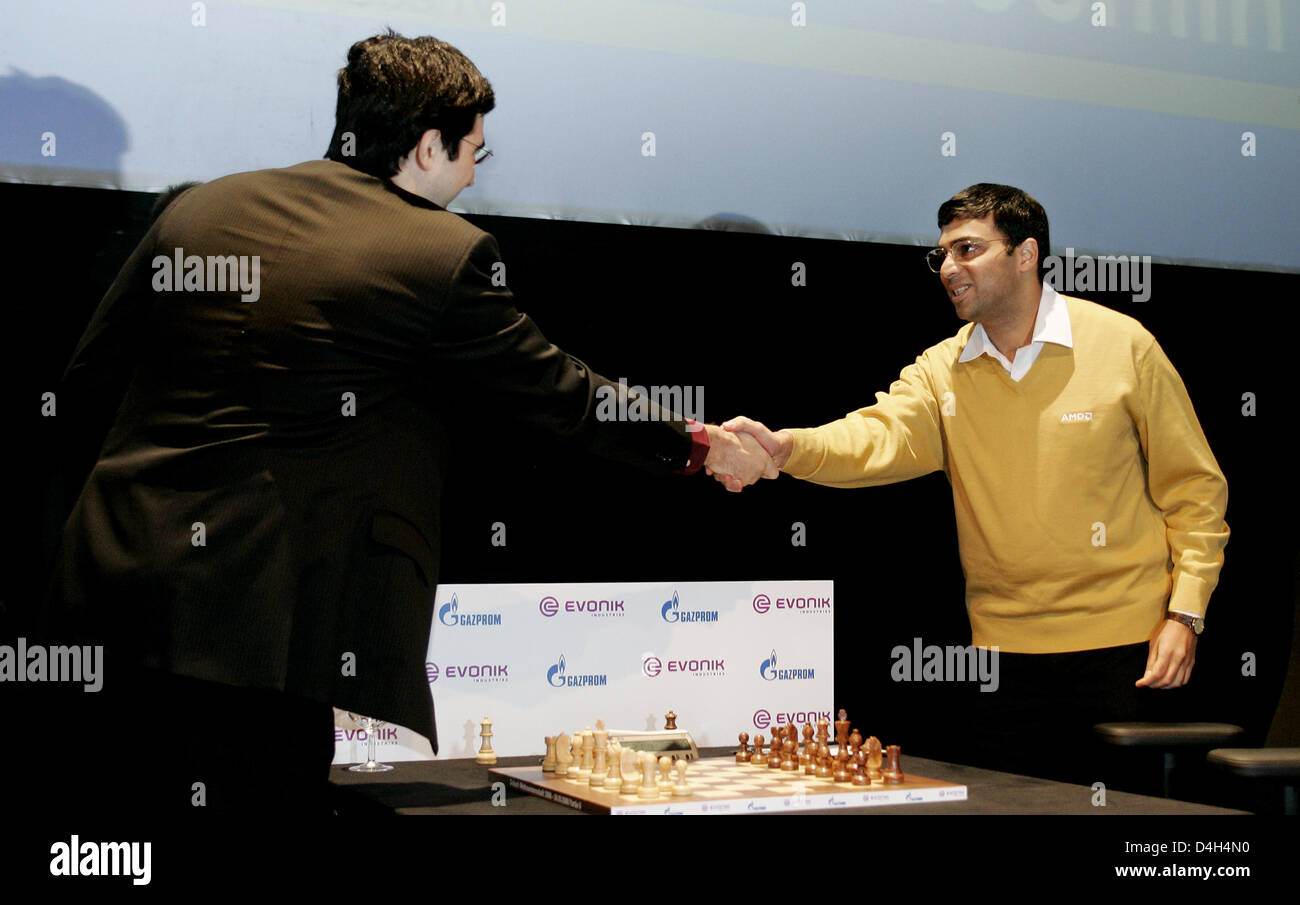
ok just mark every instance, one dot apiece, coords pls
pixel 614 779
pixel 631 773
pixel 649 782
pixel 680 788
pixel 563 754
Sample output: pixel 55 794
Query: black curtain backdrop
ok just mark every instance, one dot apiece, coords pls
pixel 717 309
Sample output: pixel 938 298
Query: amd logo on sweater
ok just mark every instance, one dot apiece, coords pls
pixel 1069 417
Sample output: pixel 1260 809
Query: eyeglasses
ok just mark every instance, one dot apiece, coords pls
pixel 962 250
pixel 481 152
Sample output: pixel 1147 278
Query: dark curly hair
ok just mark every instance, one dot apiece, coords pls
pixel 393 89
pixel 1016 215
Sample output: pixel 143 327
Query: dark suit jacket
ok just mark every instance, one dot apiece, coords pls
pixel 247 522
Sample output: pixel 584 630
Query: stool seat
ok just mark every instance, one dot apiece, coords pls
pixel 1263 763
pixel 1168 735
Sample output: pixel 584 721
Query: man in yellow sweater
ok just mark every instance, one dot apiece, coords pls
pixel 1089 506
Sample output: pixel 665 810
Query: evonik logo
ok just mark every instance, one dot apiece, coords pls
pixel 762 603
pixel 550 606
pixel 652 666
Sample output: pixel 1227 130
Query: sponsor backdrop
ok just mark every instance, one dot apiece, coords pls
pixel 540 659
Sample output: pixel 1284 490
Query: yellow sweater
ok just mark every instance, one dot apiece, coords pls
pixel 1086 495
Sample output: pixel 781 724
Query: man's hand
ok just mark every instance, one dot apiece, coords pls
pixel 779 444
pixel 736 459
pixel 1173 651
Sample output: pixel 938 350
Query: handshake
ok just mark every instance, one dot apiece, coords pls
pixel 742 450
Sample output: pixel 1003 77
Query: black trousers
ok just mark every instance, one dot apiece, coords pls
pixel 1039 720
pixel 153 743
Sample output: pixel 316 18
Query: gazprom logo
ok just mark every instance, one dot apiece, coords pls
pixel 557 677
pixel 768 670
pixel 449 614
pixel 671 611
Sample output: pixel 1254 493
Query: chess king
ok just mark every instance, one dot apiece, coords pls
pixel 1089 507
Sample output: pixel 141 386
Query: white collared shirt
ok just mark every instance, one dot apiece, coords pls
pixel 1051 326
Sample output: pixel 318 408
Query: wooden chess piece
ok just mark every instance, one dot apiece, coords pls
pixel 742 756
pixel 614 780
pixel 670 720
pixel 842 730
pixel 680 788
pixel 823 732
pixel 548 762
pixel 629 769
pixel 759 756
pixel 485 753
pixel 874 760
pixel 774 755
pixel 563 755
pixel 842 763
pixel 806 752
pixel 893 770
pixel 824 762
pixel 649 782
pixel 600 769
pixel 665 775
pixel 787 760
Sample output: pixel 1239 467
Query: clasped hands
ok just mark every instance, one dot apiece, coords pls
pixel 742 450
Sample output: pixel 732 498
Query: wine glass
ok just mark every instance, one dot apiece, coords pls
pixel 368 725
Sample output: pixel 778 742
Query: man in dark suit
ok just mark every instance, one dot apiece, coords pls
pixel 260 532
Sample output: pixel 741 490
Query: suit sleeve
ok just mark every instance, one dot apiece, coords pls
pixel 482 339
pixel 96 380
pixel 896 439
pixel 1184 480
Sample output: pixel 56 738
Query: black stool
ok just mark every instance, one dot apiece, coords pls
pixel 1168 737
pixel 1263 763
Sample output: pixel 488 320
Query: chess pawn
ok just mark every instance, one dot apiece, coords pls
pixel 665 775
pixel 548 762
pixel 774 750
pixel 893 771
pixel 758 758
pixel 742 756
pixel 680 788
pixel 841 763
pixel 787 760
pixel 824 763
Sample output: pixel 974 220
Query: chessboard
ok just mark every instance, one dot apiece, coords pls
pixel 721 786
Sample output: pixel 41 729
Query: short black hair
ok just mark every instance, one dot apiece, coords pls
pixel 1015 214
pixel 393 89
pixel 167 196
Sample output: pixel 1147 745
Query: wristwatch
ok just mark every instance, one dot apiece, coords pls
pixel 1195 623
